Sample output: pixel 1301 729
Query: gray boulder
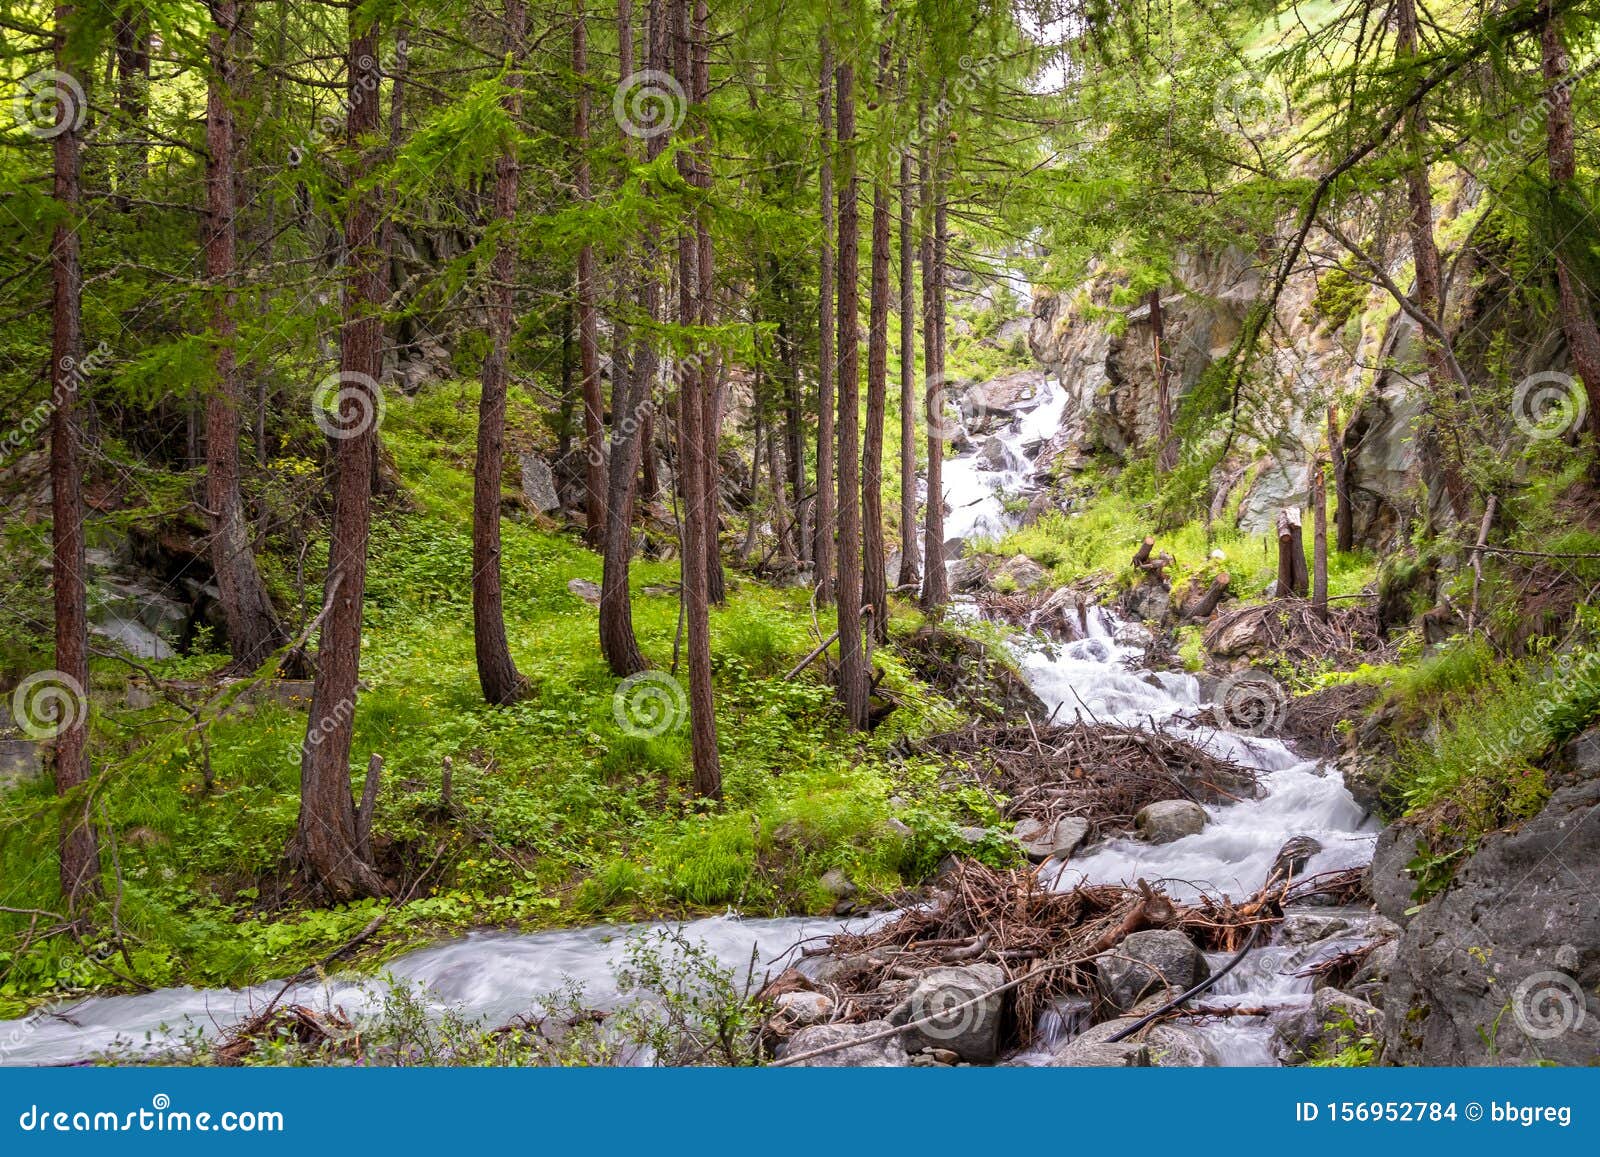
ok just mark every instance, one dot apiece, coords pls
pixel 587 591
pixel 973 1031
pixel 1333 1021
pixel 1504 966
pixel 802 1009
pixel 1301 927
pixel 1168 820
pixel 538 482
pixel 1388 878
pixel 1153 962
pixel 837 884
pixel 1057 839
pixel 1148 602
pixel 1163 1045
pixel 857 1052
pixel 1023 572
pixel 996 402
pixel 19 761
pixel 1088 1054
pixel 991 454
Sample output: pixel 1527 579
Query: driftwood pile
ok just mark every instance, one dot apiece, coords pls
pixel 1103 773
pixel 1292 630
pixel 329 1033
pixel 1044 941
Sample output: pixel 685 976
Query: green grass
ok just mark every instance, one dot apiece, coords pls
pixel 1099 539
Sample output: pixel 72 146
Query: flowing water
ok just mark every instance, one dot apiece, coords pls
pixel 1097 677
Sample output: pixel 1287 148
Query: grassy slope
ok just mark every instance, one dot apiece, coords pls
pixel 561 815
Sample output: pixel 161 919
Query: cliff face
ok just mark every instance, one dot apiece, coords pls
pixel 1367 363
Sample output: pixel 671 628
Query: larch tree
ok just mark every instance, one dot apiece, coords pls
pixel 254 631
pixel 910 574
pixel 824 526
pixel 1437 440
pixel 594 406
pixel 629 405
pixel 79 849
pixel 498 677
pixel 935 583
pixel 692 372
pixel 874 563
pixel 327 847
pixel 1576 300
pixel 853 689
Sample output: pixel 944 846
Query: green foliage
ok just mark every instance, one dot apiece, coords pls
pixel 1351 1048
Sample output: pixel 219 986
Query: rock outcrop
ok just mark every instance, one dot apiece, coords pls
pixel 1504 966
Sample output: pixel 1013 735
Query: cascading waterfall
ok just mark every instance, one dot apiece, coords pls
pixel 1097 677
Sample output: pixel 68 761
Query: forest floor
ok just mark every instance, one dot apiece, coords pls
pixel 562 810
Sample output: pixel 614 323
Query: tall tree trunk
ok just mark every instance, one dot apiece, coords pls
pixel 1166 448
pixel 1577 313
pixel 1344 515
pixel 386 482
pixel 594 430
pixel 79 850
pixel 327 846
pixel 777 478
pixel 1319 539
pixel 910 573
pixel 253 628
pixel 852 654
pixel 1438 429
pixel 630 398
pixel 564 407
pixel 793 417
pixel 692 470
pixel 711 385
pixel 497 671
pixel 874 564
pixel 132 34
pixel 935 582
pixel 822 551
